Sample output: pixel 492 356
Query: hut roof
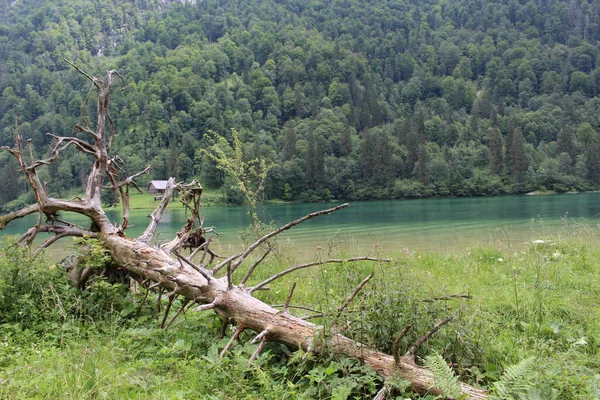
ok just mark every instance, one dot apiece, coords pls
pixel 159 185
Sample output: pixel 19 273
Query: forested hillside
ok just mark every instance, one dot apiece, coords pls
pixel 349 99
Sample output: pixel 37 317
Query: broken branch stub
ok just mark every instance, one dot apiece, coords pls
pixel 176 274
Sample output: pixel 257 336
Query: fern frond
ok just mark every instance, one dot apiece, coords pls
pixel 516 380
pixel 444 376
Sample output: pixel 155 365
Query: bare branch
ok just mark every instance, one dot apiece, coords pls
pixel 354 293
pixel 381 394
pixel 289 298
pixel 23 212
pixel 82 72
pixel 253 267
pixel 85 129
pixel 234 337
pixel 154 285
pixel 177 289
pixel 83 104
pixel 61 231
pixel 48 242
pixel 396 349
pixel 451 297
pixel 200 248
pixel 207 250
pixel 229 283
pixel 123 187
pixel 301 266
pixel 128 180
pixel 185 303
pixel 257 352
pixel 180 237
pixel 190 305
pixel 197 250
pixel 167 309
pixel 81 145
pixel 225 262
pixel 413 349
pixel 260 336
pixel 125 201
pixel 139 308
pixel 285 228
pixel 157 214
pixel 307 317
pixel 159 298
pixel 205 307
pixel 30 172
pixel 205 273
pixel 296 307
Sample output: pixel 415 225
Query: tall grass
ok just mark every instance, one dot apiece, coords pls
pixel 539 302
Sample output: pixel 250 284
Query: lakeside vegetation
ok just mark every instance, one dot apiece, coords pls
pixel 149 201
pixel 539 303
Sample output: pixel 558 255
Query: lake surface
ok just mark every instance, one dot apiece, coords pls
pixel 441 225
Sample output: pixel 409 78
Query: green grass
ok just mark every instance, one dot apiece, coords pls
pixel 540 302
pixel 145 201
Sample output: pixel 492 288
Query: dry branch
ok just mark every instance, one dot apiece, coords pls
pixel 302 266
pixel 205 307
pixel 354 293
pixel 284 228
pixel 396 348
pixel 225 262
pixel 158 212
pixel 413 349
pixel 450 297
pixel 382 394
pixel 181 309
pixel 234 337
pixel 289 298
pixel 167 309
pixel 257 352
pixel 23 212
pixel 253 267
pixel 205 273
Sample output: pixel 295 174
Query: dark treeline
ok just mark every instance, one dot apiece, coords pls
pixel 349 99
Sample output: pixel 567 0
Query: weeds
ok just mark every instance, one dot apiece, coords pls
pixel 525 326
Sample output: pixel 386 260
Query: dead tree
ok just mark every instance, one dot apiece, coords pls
pixel 165 267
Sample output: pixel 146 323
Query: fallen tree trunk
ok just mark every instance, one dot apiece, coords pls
pixel 237 304
pixel 211 289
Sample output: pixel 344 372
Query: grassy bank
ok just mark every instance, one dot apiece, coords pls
pixel 538 304
pixel 149 201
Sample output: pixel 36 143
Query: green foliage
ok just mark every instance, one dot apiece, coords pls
pixel 249 174
pixel 445 379
pixel 535 309
pixel 30 290
pixel 516 381
pixel 343 111
pixel 90 253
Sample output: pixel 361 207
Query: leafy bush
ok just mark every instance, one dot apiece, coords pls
pixel 31 292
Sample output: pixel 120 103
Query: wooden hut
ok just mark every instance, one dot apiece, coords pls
pixel 157 187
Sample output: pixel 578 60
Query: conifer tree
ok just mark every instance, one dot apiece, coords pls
pixel 496 159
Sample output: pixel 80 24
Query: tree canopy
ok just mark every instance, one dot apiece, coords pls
pixel 347 99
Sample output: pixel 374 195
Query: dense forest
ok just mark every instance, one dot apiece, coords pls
pixel 346 99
